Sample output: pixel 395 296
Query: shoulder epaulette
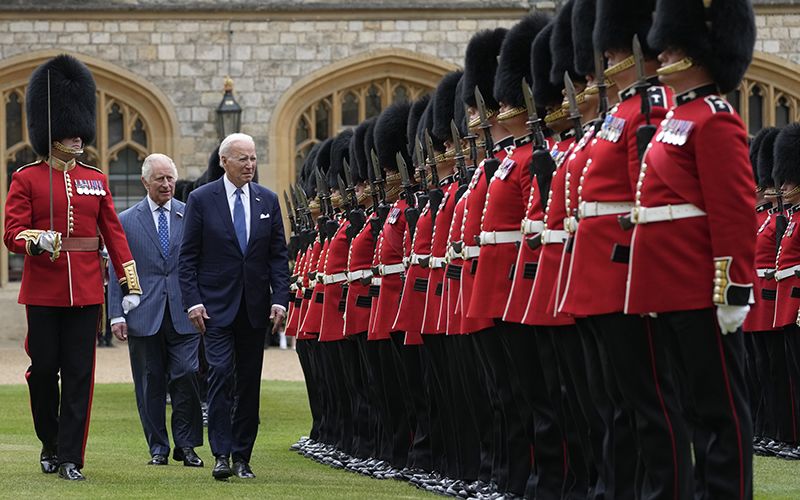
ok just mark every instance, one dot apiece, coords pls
pixel 658 96
pixel 88 166
pixel 29 165
pixel 718 104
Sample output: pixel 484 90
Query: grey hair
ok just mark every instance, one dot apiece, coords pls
pixel 227 143
pixel 147 165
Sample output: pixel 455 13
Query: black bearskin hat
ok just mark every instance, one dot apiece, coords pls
pixel 73 103
pixel 480 66
pixel 358 157
pixel 307 180
pixel 618 20
pixel 340 151
pixel 459 113
pixel 544 92
pixel 762 174
pixel 427 124
pixel 766 158
pixel 390 135
pixel 583 17
pixel 414 119
pixel 786 155
pixel 515 59
pixel 720 38
pixel 322 161
pixel 444 99
pixel 561 46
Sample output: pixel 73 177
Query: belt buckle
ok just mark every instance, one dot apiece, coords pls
pixel 635 215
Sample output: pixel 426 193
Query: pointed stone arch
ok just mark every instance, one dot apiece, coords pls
pixel 418 69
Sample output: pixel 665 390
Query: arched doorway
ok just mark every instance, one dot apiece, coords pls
pixel 339 96
pixel 134 118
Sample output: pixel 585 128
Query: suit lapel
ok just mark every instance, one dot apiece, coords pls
pixel 256 206
pixel 148 225
pixel 221 201
pixel 175 222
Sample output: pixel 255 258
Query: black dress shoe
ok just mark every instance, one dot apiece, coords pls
pixel 158 459
pixel 70 472
pixel 242 470
pixel 189 457
pixel 49 460
pixel 222 468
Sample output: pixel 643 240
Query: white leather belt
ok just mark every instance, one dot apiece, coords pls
pixel 438 262
pixel 376 281
pixel 499 237
pixel 391 269
pixel 598 208
pixel 762 272
pixel 531 226
pixel 470 252
pixel 570 224
pixel 785 273
pixel 451 254
pixel 646 215
pixel 414 260
pixel 357 275
pixel 312 283
pixel 293 287
pixel 552 236
pixel 330 279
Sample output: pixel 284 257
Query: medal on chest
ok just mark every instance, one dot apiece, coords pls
pixel 505 168
pixel 612 128
pixel 789 230
pixel 393 215
pixel 675 132
pixel 89 187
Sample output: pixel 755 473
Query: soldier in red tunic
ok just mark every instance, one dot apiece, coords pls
pixel 62 279
pixel 692 250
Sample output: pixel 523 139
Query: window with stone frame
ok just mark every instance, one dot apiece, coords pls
pixel 761 103
pixel 345 108
pixel 119 149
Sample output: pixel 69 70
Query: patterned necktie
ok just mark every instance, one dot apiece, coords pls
pixel 163 232
pixel 238 220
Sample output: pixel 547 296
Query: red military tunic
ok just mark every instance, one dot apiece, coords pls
pixel 504 208
pixel 539 310
pixel 309 284
pixel 787 301
pixel 296 296
pixel 449 314
pixel 412 303
pixel 312 321
pixel 762 314
pixel 471 228
pixel 74 278
pixel 527 260
pixel 335 278
pixel 599 270
pixel 390 252
pixel 695 262
pixel 436 281
pixel 359 268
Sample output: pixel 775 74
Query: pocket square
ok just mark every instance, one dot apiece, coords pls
pixel 265 216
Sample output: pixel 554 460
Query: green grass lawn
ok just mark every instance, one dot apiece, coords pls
pixel 116 458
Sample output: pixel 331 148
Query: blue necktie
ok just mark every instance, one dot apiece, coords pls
pixel 239 223
pixel 163 232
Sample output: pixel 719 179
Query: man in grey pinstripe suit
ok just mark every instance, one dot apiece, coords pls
pixel 162 343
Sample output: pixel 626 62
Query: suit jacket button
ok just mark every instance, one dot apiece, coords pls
pixel 163 293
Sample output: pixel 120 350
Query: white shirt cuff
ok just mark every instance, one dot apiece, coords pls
pixel 118 319
pixel 194 307
pixel 279 306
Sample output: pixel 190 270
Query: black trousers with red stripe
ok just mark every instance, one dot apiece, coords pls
pixel 62 340
pixel 710 371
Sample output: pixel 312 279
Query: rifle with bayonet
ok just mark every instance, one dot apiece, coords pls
pixel 472 137
pixel 294 239
pixel 422 197
pixel 308 233
pixel 357 216
pixel 325 222
pixel 436 194
pixel 382 209
pixel 574 114
pixel 781 222
pixel 490 164
pixel 645 133
pixel 461 165
pixel 542 165
pixel 600 83
pixel 411 211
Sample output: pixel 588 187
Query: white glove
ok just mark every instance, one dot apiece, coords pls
pixel 50 241
pixel 730 318
pixel 130 302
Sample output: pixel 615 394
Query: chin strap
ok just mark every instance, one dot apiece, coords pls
pixel 675 67
pixel 57 145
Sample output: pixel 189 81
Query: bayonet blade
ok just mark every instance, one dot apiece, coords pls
pixel 289 206
pixel 429 147
pixel 403 169
pixel 456 138
pixel 530 105
pixel 342 189
pixel 347 174
pixel 376 168
pixel 599 67
pixel 420 154
pixel 292 194
pixel 638 59
pixel 481 107
pixel 571 98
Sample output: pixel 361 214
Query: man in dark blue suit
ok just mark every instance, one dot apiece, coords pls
pixel 234 275
pixel 162 343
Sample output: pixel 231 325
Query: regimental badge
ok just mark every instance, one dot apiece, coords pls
pixel 393 215
pixel 612 128
pixel 675 132
pixel 765 224
pixel 789 230
pixel 718 104
pixel 505 168
pixel 658 96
